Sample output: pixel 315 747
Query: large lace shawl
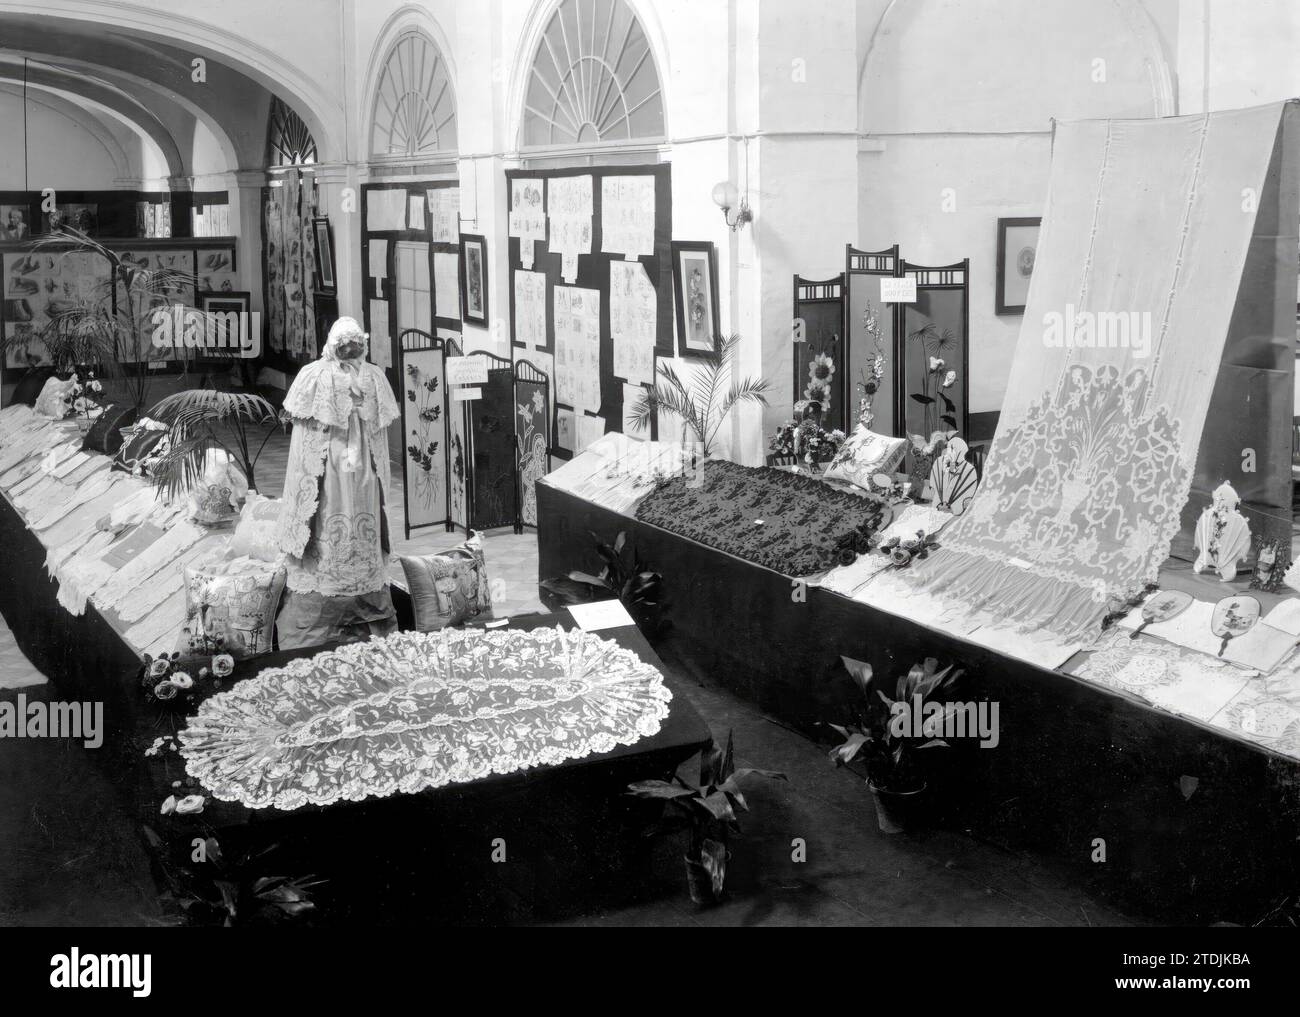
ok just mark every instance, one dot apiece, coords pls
pixel 319 399
pixel 1096 444
pixel 417 710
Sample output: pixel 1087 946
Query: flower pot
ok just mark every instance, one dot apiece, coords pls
pixel 897 810
pixel 700 883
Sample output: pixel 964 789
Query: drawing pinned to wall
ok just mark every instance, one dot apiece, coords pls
pixel 444 214
pixel 530 309
pixel 633 321
pixel 577 347
pixel 627 215
pixel 564 430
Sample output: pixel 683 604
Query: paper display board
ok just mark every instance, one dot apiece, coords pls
pixel 635 314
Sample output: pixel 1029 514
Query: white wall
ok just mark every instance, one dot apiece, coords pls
pixel 62 151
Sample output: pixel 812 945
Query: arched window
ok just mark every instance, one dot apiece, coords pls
pixel 415 109
pixel 289 141
pixel 593 79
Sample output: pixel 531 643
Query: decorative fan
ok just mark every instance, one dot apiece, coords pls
pixel 953 479
pixel 418 710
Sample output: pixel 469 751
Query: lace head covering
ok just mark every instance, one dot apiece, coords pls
pixel 324 390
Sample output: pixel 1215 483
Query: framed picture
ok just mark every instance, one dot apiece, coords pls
pixel 326 282
pixel 230 326
pixel 15 223
pixel 473 279
pixel 695 284
pixel 1017 251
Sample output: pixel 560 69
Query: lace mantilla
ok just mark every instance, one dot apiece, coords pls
pixel 322 391
pixel 418 710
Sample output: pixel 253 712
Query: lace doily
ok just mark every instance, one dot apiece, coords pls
pixel 418 710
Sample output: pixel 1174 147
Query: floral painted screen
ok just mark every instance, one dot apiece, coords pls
pixel 819 351
pixel 424 436
pixel 531 443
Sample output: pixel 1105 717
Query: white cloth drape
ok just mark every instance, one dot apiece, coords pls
pixel 1096 444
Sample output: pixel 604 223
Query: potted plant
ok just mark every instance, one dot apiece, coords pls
pixel 200 420
pixel 882 732
pixel 624 576
pixel 705 403
pixel 708 811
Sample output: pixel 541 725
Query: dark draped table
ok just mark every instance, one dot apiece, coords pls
pixel 1080 772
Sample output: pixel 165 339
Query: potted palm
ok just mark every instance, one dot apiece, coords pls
pixel 706 400
pixel 883 733
pixel 708 811
pixel 204 420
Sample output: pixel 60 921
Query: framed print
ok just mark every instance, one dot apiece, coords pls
pixel 326 281
pixel 474 281
pixel 1017 250
pixel 230 331
pixel 695 286
pixel 15 222
pixel 81 217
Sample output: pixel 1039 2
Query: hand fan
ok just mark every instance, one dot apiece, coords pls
pixel 1161 607
pixel 1234 616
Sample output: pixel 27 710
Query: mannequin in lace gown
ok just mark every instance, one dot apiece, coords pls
pixel 333 527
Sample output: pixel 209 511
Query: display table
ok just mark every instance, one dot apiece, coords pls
pixel 1076 762
pixel 568 832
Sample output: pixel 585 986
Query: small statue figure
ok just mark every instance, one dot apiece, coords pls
pixel 1222 535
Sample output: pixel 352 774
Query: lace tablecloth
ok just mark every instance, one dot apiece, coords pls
pixel 419 710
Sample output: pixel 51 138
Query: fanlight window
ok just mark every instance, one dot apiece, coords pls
pixel 593 78
pixel 289 141
pixel 415 110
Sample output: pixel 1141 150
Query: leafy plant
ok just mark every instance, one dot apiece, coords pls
pixel 230 892
pixel 704 402
pixel 624 575
pixel 194 418
pixel 110 325
pixel 706 809
pixel 890 749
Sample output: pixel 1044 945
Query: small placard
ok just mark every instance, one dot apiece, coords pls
pixel 464 395
pixel 898 291
pixel 604 614
pixel 471 370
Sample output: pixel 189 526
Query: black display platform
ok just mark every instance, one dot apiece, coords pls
pixel 1079 770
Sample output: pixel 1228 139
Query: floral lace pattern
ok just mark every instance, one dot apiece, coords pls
pixel 420 710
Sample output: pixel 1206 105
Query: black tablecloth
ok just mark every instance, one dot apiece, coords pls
pixel 1076 765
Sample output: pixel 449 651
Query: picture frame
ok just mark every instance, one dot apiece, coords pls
pixel 323 239
pixel 15 223
pixel 695 294
pixel 473 279
pixel 235 302
pixel 1017 252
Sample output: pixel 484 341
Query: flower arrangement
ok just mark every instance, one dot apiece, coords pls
pixel 902 552
pixel 426 399
pixel 168 685
pixel 808 440
pixel 935 379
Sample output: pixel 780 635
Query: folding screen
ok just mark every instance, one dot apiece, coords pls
pixel 935 327
pixel 426 479
pixel 458 454
pixel 819 373
pixel 577 245
pixel 863 273
pixel 493 490
pixel 531 435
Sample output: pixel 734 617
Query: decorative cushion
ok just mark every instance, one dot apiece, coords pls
pixel 105 434
pixel 254 535
pixel 863 454
pixel 231 608
pixel 448 588
pixel 142 445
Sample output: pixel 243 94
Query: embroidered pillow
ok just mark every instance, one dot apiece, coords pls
pixel 448 588
pixel 231 608
pixel 142 447
pixel 254 536
pixel 863 454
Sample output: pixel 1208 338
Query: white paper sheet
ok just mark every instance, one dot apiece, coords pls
pixel 590 430
pixel 633 318
pixel 381 352
pixel 378 259
pixel 603 614
pixel 577 347
pixel 386 209
pixel 444 214
pixel 415 218
pixel 627 215
pixel 446 281
pixel 530 309
pixel 527 208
